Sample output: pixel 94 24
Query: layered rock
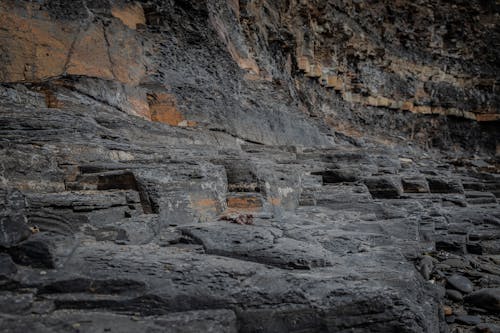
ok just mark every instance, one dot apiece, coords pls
pixel 248 166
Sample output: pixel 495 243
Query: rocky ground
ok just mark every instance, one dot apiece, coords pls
pixel 113 223
pixel 251 166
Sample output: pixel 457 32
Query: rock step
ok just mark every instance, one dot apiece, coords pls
pixel 340 175
pixel 478 198
pixel 84 200
pixel 333 194
pixel 116 179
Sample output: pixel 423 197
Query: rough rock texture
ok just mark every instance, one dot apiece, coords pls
pixel 249 166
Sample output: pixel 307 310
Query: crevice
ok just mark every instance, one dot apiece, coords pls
pixel 77 37
pixel 223 130
pixel 108 52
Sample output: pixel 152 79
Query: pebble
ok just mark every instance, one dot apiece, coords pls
pixel 454 295
pixel 426 266
pixel 448 311
pixel 460 283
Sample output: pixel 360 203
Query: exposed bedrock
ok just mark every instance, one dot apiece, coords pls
pixel 249 166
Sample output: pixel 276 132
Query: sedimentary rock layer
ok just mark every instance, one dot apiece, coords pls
pixel 249 166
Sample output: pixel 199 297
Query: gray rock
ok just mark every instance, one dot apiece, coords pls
pixel 13 226
pixel 16 302
pixel 13 230
pixel 468 320
pixel 488 299
pixel 426 266
pixel 460 283
pixel 260 244
pixel 339 175
pixel 384 187
pixel 454 295
pixel 445 185
pixel 7 267
pixel 36 252
pixel 415 185
pixel 223 321
pixel 129 208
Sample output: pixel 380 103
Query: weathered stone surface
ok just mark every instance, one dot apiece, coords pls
pixel 454 295
pixel 7 266
pixel 384 187
pixel 488 299
pixel 444 185
pixel 468 320
pixel 460 283
pixel 89 321
pixel 250 166
pixel 415 185
pixel 339 175
pixel 13 226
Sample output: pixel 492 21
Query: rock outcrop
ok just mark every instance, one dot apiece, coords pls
pixel 249 166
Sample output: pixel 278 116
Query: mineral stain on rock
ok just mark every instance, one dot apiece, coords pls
pixel 249 166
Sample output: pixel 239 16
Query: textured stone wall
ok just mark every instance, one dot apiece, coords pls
pixel 277 72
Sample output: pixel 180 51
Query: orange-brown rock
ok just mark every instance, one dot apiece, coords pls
pixel 303 63
pixel 488 117
pixel 334 82
pixel 274 201
pixel 126 54
pixel 248 202
pixel 237 51
pixel 89 54
pixel 36 47
pixel 163 109
pixel 51 100
pixel 33 47
pixel 205 208
pixel 139 105
pixel 130 14
pixel 315 70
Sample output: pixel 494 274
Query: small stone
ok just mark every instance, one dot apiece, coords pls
pixel 460 283
pixel 488 299
pixel 454 295
pixel 468 320
pixel 426 266
pixel 448 311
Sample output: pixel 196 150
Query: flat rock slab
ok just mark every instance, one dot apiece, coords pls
pixel 260 244
pixel 363 287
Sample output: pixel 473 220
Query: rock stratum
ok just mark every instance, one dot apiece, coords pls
pixel 249 166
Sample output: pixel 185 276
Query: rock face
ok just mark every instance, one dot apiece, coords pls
pixel 249 166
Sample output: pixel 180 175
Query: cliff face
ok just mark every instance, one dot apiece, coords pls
pixel 286 72
pixel 250 166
